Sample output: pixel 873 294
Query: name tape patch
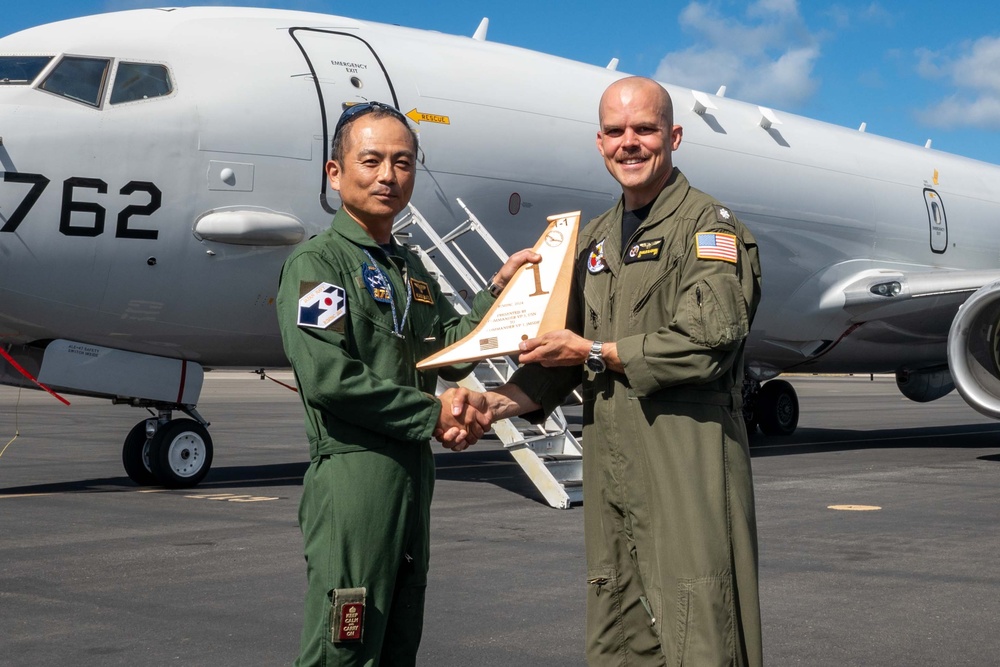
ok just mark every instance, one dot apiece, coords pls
pixel 644 251
pixel 421 292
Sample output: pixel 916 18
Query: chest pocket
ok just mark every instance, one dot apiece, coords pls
pixel 656 278
pixel 368 316
pixel 425 327
pixel 716 311
pixel 597 304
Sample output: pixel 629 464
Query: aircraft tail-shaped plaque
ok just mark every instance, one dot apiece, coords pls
pixel 533 302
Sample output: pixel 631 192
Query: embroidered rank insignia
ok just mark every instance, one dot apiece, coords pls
pixel 376 284
pixel 321 305
pixel 595 263
pixel 644 251
pixel 421 292
pixel 723 214
pixel 716 245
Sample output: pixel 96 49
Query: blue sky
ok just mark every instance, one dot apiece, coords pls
pixel 912 71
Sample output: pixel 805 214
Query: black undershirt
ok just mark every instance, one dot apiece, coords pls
pixel 631 221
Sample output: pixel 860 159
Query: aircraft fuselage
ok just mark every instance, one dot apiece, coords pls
pixel 105 208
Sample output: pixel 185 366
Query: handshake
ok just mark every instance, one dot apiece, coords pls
pixel 465 417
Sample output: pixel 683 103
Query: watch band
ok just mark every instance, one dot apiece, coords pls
pixel 493 288
pixel 595 361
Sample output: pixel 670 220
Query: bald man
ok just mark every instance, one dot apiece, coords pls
pixel 667 285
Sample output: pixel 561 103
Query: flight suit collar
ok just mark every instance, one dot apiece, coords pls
pixel 665 204
pixel 349 228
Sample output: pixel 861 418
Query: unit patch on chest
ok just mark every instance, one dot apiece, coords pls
pixel 644 251
pixel 376 283
pixel 320 305
pixel 421 292
pixel 596 263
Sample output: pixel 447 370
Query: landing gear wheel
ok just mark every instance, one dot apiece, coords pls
pixel 180 454
pixel 777 409
pixel 135 456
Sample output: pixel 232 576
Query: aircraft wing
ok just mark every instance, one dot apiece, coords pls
pixel 916 304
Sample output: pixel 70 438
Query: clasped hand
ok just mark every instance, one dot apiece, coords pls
pixel 465 417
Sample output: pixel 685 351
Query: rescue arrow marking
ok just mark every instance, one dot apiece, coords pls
pixel 419 116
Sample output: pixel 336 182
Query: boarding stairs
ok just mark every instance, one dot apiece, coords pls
pixel 548 453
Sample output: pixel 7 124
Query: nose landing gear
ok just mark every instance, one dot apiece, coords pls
pixel 175 453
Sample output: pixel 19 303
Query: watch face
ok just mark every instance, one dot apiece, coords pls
pixel 596 364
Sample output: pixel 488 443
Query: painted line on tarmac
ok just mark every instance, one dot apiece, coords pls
pixel 24 495
pixel 854 508
pixel 232 497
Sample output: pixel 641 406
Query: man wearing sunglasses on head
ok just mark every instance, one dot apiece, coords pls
pixel 356 311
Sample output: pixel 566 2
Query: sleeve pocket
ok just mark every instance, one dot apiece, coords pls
pixel 718 312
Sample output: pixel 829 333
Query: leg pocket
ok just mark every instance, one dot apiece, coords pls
pixel 705 622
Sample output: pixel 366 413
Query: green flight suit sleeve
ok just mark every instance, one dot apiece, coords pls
pixel 710 318
pixel 331 378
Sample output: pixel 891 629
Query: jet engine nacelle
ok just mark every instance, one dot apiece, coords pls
pixel 974 350
pixel 924 384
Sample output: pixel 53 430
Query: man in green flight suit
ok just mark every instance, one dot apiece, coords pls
pixel 356 312
pixel 667 285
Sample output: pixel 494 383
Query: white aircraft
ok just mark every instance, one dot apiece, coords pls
pixel 159 165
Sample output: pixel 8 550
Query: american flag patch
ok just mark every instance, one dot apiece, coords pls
pixel 714 245
pixel 490 343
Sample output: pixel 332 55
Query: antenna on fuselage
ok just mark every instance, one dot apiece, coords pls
pixel 613 65
pixel 480 34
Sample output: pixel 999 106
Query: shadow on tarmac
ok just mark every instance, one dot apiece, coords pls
pixel 280 474
pixel 812 440
pixel 497 467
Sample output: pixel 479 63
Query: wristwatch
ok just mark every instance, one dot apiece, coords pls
pixel 595 361
pixel 493 288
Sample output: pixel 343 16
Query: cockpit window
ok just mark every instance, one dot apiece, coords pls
pixel 140 81
pixel 21 70
pixel 79 79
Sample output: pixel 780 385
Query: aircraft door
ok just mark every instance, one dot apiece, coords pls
pixel 347 71
pixel 937 220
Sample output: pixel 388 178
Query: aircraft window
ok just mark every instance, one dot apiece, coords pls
pixel 80 79
pixel 21 70
pixel 140 81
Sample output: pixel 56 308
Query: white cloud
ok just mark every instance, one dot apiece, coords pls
pixel 974 73
pixel 766 57
pixel 851 16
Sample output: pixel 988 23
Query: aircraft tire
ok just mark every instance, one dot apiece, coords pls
pixel 777 409
pixel 180 453
pixel 135 456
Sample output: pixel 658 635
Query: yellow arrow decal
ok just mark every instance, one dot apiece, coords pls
pixel 419 116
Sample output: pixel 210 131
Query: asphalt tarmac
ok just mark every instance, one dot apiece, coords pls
pixel 96 571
